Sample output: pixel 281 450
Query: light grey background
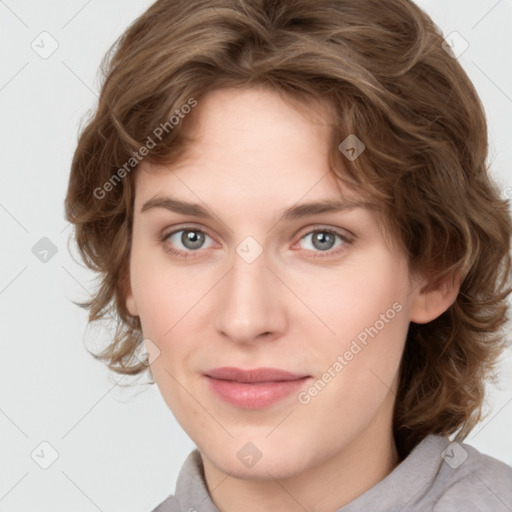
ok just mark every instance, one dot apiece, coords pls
pixel 121 449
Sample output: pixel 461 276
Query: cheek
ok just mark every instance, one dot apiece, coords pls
pixel 163 294
pixel 366 309
pixel 168 301
pixel 351 300
pixel 155 306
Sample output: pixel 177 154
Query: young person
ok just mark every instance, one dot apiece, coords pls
pixel 289 206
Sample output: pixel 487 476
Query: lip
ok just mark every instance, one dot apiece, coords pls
pixel 253 376
pixel 253 389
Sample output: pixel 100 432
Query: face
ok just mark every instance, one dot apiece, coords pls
pixel 322 295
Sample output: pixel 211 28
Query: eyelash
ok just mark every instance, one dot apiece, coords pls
pixel 346 239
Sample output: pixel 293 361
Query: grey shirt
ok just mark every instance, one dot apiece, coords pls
pixel 437 476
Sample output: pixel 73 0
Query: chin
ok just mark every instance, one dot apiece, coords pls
pixel 267 462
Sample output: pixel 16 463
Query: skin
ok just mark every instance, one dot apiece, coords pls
pixel 254 156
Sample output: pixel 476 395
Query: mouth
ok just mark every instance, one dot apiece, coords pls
pixel 253 389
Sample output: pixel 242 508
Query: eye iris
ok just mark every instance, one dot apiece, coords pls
pixel 192 239
pixel 324 239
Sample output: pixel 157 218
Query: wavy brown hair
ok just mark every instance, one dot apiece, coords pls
pixel 382 68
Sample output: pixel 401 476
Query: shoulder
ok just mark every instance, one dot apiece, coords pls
pixel 171 504
pixel 191 494
pixel 471 480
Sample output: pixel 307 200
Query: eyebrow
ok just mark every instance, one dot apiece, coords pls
pixel 293 213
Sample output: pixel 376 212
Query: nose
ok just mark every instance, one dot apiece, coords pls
pixel 250 302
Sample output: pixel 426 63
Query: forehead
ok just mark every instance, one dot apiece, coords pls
pixel 250 141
